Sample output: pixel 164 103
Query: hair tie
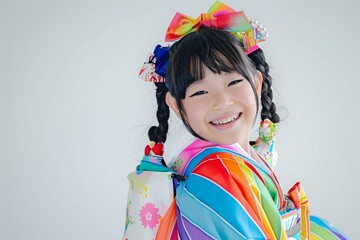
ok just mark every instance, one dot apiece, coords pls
pixel 154 149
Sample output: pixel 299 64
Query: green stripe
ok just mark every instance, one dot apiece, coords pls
pixel 322 232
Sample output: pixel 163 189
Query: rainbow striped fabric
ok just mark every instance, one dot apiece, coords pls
pixel 228 195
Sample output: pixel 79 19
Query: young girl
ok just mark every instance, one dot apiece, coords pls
pixel 216 80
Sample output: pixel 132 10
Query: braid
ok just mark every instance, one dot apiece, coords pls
pixel 268 110
pixel 158 134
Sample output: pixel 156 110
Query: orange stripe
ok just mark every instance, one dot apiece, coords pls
pixel 168 223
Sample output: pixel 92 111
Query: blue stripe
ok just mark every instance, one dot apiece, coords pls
pixel 205 219
pixel 319 221
pixel 221 202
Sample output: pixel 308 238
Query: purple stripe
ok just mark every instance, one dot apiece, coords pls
pixel 181 230
pixel 194 231
pixel 339 235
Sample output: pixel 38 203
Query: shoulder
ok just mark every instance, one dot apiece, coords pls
pixel 198 150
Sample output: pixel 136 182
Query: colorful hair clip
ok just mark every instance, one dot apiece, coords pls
pixel 147 71
pixel 154 66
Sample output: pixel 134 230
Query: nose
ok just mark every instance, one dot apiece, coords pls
pixel 222 100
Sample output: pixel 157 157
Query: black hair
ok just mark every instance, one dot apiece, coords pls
pixel 158 134
pixel 268 110
pixel 219 51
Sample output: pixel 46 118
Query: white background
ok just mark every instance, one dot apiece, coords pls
pixel 74 115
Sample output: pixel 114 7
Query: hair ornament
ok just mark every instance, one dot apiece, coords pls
pixel 154 66
pixel 219 16
pixel 147 71
pixel 154 149
pixel 260 32
pixel 161 59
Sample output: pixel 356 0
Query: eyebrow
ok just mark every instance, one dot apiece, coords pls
pixel 204 80
pixel 197 82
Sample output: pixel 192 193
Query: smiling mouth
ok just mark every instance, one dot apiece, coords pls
pixel 226 120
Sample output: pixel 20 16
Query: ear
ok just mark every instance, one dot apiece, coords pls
pixel 258 83
pixel 171 102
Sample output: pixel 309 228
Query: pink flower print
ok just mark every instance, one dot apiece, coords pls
pixel 149 215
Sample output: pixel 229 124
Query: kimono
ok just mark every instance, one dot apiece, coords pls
pixel 213 191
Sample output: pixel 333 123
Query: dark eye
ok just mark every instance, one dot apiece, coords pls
pixel 235 82
pixel 198 93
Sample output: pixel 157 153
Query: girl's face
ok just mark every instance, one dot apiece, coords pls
pixel 221 108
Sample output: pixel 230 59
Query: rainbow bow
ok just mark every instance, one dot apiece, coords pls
pixel 219 16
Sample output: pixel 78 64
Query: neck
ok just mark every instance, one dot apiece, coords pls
pixel 245 145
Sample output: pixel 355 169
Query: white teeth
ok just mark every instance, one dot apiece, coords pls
pixel 226 120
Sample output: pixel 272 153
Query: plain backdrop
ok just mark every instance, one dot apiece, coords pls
pixel 74 116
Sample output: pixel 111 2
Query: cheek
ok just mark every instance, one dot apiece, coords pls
pixel 248 100
pixel 251 99
pixel 246 96
pixel 195 114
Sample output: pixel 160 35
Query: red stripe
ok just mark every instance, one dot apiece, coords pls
pixel 215 167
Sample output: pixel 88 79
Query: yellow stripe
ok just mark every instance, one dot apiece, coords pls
pixel 313 236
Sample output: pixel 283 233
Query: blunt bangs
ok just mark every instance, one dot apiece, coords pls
pixel 217 50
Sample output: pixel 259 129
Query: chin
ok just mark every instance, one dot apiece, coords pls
pixel 225 141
